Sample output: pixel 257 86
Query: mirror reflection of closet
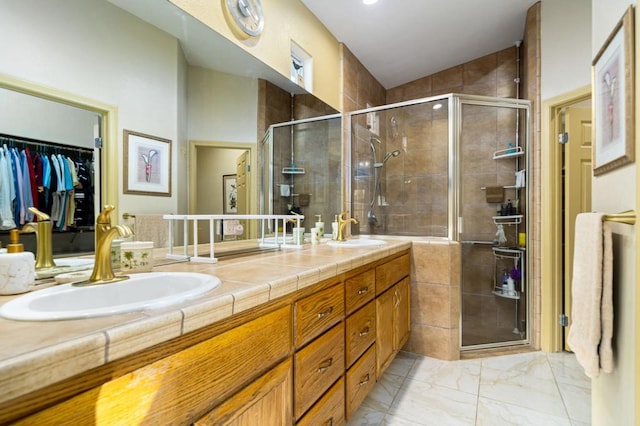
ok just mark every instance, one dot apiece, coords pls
pixel 43 127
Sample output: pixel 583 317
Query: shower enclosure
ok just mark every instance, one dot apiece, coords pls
pixel 301 169
pixel 453 167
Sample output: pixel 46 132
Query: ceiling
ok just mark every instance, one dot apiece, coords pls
pixel 399 41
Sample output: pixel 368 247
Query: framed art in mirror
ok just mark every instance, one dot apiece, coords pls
pixel 613 89
pixel 147 164
pixel 229 194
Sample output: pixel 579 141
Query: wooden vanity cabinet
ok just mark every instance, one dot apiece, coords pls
pixel 183 387
pixel 309 358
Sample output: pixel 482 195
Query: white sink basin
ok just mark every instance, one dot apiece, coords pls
pixel 141 291
pixel 357 242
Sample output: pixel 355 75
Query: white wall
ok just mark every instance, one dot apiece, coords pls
pixel 222 107
pixel 572 33
pixel 613 395
pixel 94 49
pixel 36 118
pixel 566 46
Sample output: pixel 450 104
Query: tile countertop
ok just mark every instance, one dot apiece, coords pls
pixel 37 354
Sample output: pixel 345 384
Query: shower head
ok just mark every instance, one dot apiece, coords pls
pixel 387 156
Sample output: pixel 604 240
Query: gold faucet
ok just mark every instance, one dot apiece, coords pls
pixel 105 233
pixel 42 229
pixel 343 219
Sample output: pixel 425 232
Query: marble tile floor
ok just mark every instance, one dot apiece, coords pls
pixel 533 388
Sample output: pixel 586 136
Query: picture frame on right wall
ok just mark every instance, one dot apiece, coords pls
pixel 613 98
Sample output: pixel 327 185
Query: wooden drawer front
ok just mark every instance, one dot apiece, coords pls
pixel 360 332
pixel 318 312
pixel 359 290
pixel 391 272
pixel 316 367
pixel 360 379
pixel 329 410
pixel 267 400
pixel 182 387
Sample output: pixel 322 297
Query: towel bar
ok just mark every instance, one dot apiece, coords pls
pixel 128 216
pixel 628 217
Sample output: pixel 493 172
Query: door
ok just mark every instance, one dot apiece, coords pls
pixel 577 189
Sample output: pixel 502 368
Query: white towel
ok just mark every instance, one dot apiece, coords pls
pixel 151 227
pixel 592 291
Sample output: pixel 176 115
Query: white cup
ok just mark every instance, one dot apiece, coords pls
pixel 298 236
pixel 315 235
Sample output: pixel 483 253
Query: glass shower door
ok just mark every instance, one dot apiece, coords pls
pixel 492 206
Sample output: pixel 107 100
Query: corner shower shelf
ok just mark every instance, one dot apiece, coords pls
pixel 508 220
pixel 501 293
pixel 508 153
pixel 292 171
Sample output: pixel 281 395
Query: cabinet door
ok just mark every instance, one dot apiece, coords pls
pixel 266 401
pixel 384 330
pixel 401 316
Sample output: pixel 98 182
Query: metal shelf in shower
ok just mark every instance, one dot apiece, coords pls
pixel 508 220
pixel 508 153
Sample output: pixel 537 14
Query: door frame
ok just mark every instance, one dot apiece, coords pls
pixel 551 334
pixel 252 203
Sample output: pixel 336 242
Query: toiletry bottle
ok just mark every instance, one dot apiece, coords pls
pixel 334 228
pixel 17 267
pixel 510 209
pixel 320 225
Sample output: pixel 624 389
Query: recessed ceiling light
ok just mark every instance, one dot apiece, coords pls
pixel 369 1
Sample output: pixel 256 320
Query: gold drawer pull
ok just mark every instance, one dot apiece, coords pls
pixel 364 381
pixel 325 365
pixel 364 331
pixel 363 290
pixel 329 422
pixel 325 313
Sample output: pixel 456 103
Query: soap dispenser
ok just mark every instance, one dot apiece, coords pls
pixel 320 225
pixel 17 267
pixel 334 228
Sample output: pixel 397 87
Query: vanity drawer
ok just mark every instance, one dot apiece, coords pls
pixel 317 313
pixel 359 290
pixel 317 367
pixel 360 380
pixel 360 331
pixel 391 272
pixel 329 410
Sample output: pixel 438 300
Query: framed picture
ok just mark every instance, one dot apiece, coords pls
pixel 613 94
pixel 147 164
pixel 229 194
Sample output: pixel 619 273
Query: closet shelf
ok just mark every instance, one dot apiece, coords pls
pixel 508 153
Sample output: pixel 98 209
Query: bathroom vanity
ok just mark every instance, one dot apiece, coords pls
pixel 303 343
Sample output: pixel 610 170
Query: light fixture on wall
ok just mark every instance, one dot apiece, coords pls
pixel 369 1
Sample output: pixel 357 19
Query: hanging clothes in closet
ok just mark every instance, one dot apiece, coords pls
pixel 56 180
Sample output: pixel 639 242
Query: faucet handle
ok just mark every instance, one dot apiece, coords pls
pixel 41 216
pixel 104 217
